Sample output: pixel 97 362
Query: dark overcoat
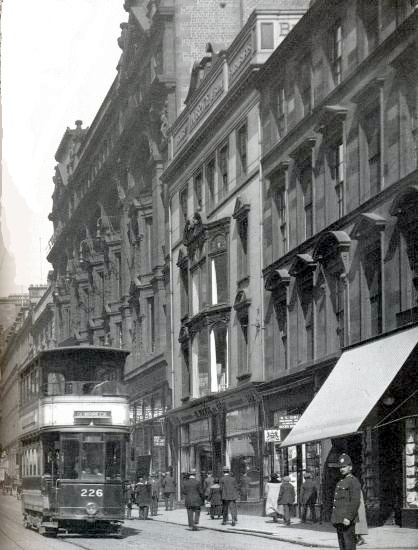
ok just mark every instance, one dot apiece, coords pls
pixel 346 500
pixel 229 488
pixel 168 485
pixel 215 495
pixel 143 494
pixel 193 494
pixel 286 493
pixel 308 492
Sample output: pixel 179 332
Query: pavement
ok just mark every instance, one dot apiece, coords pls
pixel 307 534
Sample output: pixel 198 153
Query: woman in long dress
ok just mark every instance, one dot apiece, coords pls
pixel 361 525
pixel 272 494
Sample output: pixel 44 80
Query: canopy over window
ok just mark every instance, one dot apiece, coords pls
pixel 357 382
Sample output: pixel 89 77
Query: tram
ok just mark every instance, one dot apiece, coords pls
pixel 74 430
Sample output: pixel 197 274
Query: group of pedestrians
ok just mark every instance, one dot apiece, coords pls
pixel 221 495
pixel 146 493
pixel 348 512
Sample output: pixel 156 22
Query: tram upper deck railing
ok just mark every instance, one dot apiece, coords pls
pixel 85 387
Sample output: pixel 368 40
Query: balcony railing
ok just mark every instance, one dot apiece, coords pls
pixel 85 387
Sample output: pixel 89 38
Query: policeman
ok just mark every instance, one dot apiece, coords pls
pixel 346 505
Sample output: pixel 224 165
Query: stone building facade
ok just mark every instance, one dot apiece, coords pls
pixel 212 186
pixel 108 250
pixel 31 330
pixel 339 104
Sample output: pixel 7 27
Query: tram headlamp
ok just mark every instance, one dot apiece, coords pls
pixel 91 508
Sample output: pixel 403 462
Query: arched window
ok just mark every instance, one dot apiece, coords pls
pixel 405 208
pixel 200 364
pixel 367 231
pixel 331 253
pixel 218 270
pixel 218 357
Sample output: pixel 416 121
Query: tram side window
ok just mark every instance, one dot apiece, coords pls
pixel 30 462
pixel 56 383
pixel 70 450
pixel 114 459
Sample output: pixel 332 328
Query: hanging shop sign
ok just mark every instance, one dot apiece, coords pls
pixel 272 436
pixel 288 421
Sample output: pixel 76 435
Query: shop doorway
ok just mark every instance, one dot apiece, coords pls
pixel 390 473
pixel 204 459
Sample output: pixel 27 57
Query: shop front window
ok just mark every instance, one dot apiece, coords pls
pixel 411 463
pixel 243 451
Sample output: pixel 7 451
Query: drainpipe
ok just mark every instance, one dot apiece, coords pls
pixel 172 342
pixel 260 206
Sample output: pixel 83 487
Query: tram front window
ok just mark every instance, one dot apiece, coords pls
pixel 70 452
pixel 114 460
pixel 92 463
pixel 93 456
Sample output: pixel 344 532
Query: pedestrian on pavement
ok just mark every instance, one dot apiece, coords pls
pixel 361 525
pixel 207 484
pixel 215 499
pixel 307 498
pixel 155 494
pixel 229 493
pixel 193 499
pixel 169 488
pixel 130 499
pixel 143 497
pixel 346 504
pixel 272 495
pixel 286 498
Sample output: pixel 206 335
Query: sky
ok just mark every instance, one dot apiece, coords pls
pixel 58 60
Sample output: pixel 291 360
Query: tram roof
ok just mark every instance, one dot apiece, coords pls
pixel 72 349
pixel 82 349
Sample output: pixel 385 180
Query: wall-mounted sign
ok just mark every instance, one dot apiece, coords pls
pixel 288 421
pixel 272 436
pixel 159 441
pixel 92 414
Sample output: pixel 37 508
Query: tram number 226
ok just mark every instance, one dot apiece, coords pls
pixel 91 492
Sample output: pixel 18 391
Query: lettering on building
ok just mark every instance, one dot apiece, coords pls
pixel 241 58
pixel 206 102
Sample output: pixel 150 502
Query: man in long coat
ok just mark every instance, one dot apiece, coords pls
pixel 193 499
pixel 307 497
pixel 229 494
pixel 169 488
pixel 155 493
pixel 286 498
pixel 143 497
pixel 346 504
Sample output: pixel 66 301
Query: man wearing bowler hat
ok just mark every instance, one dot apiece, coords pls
pixel 229 493
pixel 193 499
pixel 346 505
